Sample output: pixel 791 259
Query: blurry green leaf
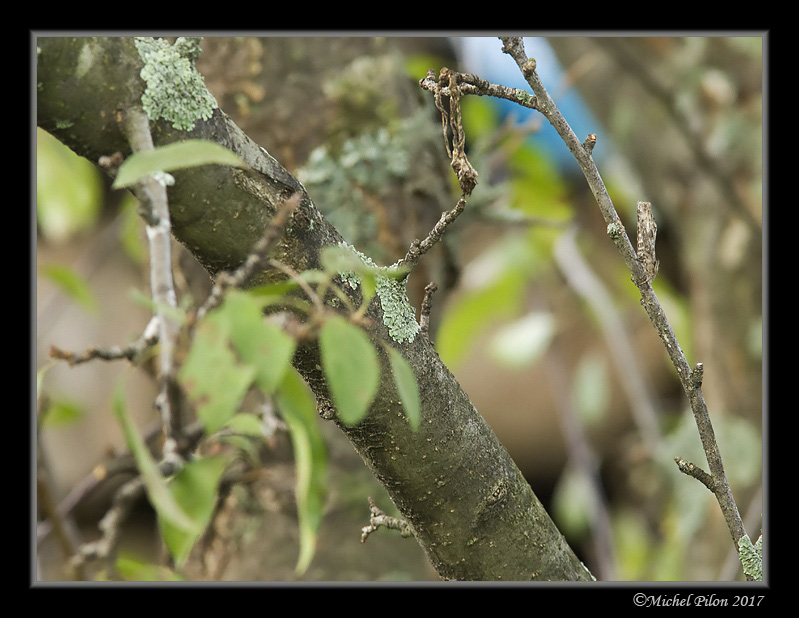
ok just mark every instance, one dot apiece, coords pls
pixel 247 424
pixel 194 490
pixel 61 413
pixel 298 407
pixel 742 446
pixel 572 504
pixel 537 186
pixel 416 65
pixel 633 544
pixel 262 344
pixel 71 283
pixel 130 234
pixel 468 316
pixel 591 388
pixel 69 189
pixel 407 388
pixel 160 497
pixel 350 364
pixel 136 571
pixel 214 382
pixel 274 289
pixel 480 117
pixel 178 155
pixel 520 343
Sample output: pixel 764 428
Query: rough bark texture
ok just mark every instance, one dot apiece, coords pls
pixel 473 512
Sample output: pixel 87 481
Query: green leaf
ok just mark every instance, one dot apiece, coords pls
pixel 136 571
pixel 298 408
pixel 246 424
pixel 214 381
pixel 179 155
pixel 158 492
pixel 407 388
pixel 69 190
pixel 350 365
pixel 194 490
pixel 471 314
pixel 262 344
pixel 591 388
pixel 62 413
pixel 520 343
pixel 71 283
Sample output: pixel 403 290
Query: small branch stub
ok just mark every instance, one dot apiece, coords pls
pixel 427 306
pixel 647 233
pixel 589 142
pixel 697 374
pixel 378 518
pixel 691 469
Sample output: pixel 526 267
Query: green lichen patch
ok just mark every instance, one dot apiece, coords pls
pixel 398 314
pixel 175 91
pixel 751 557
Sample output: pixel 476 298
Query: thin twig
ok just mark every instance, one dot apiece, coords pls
pixel 514 46
pixel 130 352
pixel 419 248
pixel 256 258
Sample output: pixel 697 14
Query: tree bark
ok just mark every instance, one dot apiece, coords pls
pixel 470 507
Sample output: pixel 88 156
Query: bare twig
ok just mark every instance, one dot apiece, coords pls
pixel 130 352
pixel 378 518
pixel 419 248
pixel 514 47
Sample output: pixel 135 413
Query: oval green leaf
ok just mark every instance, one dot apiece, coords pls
pixel 350 364
pixel 407 387
pixel 179 155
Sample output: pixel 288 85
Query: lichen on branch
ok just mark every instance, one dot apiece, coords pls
pixel 175 90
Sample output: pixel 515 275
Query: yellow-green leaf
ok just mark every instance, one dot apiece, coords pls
pixel 158 492
pixel 194 490
pixel 262 344
pixel 71 283
pixel 178 155
pixel 214 381
pixel 298 408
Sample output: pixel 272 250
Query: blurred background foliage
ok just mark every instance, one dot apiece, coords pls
pixel 536 315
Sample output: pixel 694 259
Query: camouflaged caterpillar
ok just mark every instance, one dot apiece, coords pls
pixel 647 233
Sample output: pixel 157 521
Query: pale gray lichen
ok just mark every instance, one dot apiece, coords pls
pixel 175 91
pixel 751 557
pixel 398 314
